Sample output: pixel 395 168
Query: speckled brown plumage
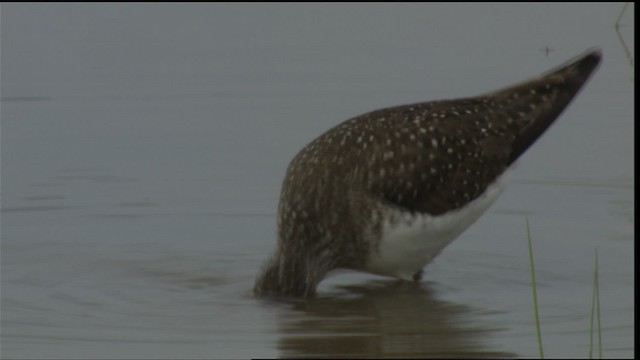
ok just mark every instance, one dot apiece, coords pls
pixel 425 158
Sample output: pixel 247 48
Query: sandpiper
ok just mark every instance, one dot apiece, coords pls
pixel 386 191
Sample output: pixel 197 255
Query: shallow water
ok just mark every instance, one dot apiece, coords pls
pixel 141 166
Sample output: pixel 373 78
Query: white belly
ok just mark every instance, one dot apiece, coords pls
pixel 409 244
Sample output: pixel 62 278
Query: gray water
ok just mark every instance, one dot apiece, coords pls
pixel 143 146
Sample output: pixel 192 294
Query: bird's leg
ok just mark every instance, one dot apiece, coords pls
pixel 418 275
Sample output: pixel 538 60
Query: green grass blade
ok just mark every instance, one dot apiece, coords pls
pixel 597 286
pixel 593 302
pixel 595 312
pixel 533 287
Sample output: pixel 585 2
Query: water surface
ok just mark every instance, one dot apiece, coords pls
pixel 143 148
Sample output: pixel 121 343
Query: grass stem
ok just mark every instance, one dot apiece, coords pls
pixel 595 310
pixel 533 288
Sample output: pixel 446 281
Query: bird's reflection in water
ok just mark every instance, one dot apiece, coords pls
pixel 381 319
